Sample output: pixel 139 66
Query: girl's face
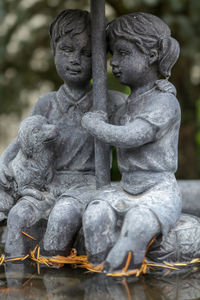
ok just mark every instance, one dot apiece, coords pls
pixel 128 63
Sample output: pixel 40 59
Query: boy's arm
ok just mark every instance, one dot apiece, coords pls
pixel 43 105
pixel 8 155
pixel 135 134
pixel 12 150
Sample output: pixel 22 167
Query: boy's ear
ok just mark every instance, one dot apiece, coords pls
pixel 52 47
pixel 153 56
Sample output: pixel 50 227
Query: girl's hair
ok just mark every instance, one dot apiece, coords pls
pixel 69 21
pixel 147 32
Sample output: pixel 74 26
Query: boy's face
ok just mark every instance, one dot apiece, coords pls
pixel 128 63
pixel 73 59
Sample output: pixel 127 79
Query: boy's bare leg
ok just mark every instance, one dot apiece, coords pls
pixel 21 217
pixel 6 203
pixel 99 227
pixel 140 226
pixel 63 224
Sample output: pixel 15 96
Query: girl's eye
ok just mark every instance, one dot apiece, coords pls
pixel 86 53
pixel 123 53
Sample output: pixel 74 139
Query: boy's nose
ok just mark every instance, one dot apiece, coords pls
pixel 75 58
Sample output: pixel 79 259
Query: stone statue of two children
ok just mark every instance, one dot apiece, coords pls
pixel 143 127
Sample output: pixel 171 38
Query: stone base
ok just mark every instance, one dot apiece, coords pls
pixel 190 190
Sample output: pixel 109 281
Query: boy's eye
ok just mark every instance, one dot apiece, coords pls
pixel 66 48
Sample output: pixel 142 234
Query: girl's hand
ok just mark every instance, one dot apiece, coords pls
pixel 89 119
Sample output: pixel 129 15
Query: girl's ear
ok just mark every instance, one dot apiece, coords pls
pixel 153 56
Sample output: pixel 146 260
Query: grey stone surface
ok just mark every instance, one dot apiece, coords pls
pixel 74 164
pixel 144 128
pixel 145 131
pixel 190 190
pixel 182 244
pixel 32 168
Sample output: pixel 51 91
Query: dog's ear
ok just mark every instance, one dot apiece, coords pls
pixel 24 142
pixel 49 176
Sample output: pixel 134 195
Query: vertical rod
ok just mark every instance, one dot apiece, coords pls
pixel 99 74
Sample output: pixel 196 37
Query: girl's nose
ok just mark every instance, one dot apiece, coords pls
pixel 113 62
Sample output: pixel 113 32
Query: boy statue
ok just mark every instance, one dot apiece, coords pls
pixel 74 149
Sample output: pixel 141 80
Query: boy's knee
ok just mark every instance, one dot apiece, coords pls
pixel 6 201
pixel 21 215
pixel 63 213
pixel 63 223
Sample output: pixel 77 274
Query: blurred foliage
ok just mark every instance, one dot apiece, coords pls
pixel 26 62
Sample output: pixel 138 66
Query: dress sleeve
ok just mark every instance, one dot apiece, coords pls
pixel 134 134
pixel 164 112
pixel 116 100
pixel 149 125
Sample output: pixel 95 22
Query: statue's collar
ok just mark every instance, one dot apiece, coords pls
pixel 161 85
pixel 131 101
pixel 66 99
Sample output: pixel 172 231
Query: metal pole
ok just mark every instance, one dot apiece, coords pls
pixel 99 73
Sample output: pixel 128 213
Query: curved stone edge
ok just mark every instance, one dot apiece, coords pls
pixel 190 190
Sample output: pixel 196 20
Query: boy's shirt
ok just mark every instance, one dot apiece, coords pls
pixel 75 146
pixel 141 166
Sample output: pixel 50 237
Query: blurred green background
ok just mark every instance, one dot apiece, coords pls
pixel 27 67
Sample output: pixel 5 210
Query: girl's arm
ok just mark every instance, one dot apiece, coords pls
pixel 135 134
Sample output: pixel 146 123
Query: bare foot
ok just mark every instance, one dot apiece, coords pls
pixel 117 257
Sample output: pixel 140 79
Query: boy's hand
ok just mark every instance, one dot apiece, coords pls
pixel 32 193
pixel 93 117
pixel 5 176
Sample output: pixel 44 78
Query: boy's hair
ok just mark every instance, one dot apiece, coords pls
pixel 147 32
pixel 69 21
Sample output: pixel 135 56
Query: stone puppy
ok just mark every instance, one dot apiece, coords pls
pixel 32 168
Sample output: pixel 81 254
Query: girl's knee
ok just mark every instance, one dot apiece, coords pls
pixel 98 211
pixel 140 222
pixel 99 206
